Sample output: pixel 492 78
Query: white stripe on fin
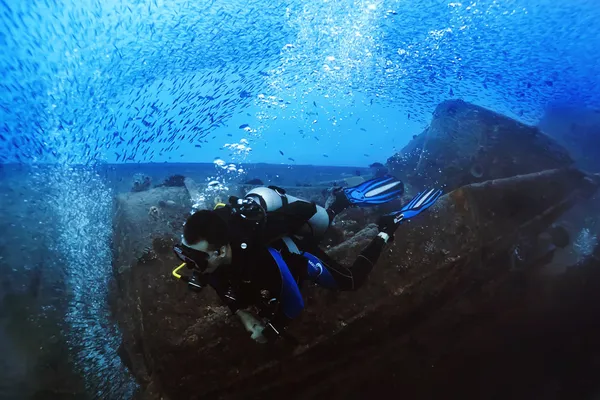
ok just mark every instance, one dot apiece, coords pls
pixel 423 199
pixel 382 189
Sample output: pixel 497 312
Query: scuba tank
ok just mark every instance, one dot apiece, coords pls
pixel 272 198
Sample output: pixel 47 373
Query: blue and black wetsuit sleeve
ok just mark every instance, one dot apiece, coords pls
pixel 352 277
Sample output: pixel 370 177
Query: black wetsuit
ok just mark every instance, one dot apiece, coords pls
pixel 255 278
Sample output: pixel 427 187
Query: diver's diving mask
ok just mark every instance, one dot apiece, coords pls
pixel 194 259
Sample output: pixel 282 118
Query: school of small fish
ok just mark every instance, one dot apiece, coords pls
pixel 127 82
pixel 136 80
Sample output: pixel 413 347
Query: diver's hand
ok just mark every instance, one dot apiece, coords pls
pixel 389 223
pixel 257 334
pixel 252 325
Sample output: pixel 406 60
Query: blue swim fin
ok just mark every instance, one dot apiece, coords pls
pixel 421 202
pixel 388 223
pixel 375 191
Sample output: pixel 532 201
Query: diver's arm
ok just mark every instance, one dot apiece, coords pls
pixel 252 324
pixel 222 286
pixel 269 307
pixel 262 331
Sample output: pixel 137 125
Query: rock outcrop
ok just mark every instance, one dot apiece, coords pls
pixel 457 298
pixel 183 345
pixel 467 144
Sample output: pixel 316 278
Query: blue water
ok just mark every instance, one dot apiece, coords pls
pixel 86 83
pixel 152 80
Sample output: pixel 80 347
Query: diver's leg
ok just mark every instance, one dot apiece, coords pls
pixel 327 272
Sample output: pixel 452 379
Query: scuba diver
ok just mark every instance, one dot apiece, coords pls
pixel 257 252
